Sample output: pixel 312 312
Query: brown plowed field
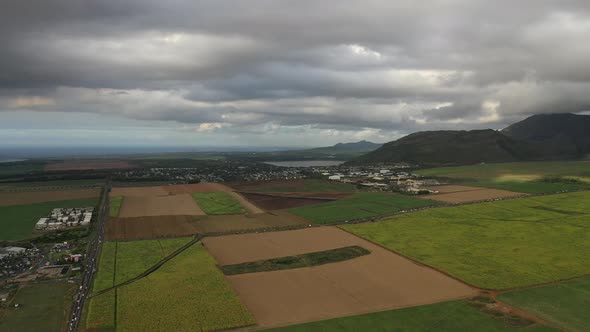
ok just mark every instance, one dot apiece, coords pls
pixel 171 205
pixel 138 191
pixel 87 165
pixel 464 194
pixel 172 226
pixel 196 188
pixel 46 196
pixel 274 202
pixel 379 281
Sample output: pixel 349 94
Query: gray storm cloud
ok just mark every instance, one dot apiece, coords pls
pixel 393 66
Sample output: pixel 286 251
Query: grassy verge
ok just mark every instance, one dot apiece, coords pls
pixel 17 221
pixel 188 293
pixel 565 304
pixel 441 317
pixel 293 262
pixel 359 206
pixel 115 203
pixel 42 307
pixel 495 245
pixel 218 203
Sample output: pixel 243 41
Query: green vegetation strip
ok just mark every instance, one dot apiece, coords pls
pixel 218 203
pixel 525 177
pixel 293 262
pixel 360 206
pixel 115 203
pixel 42 307
pixel 440 317
pixel 496 245
pixel 17 221
pixel 565 304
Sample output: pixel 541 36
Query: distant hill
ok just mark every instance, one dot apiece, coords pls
pixel 340 151
pixel 359 147
pixel 564 135
pixel 540 137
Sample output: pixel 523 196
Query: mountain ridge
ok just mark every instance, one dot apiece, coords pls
pixel 527 140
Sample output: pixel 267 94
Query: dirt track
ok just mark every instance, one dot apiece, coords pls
pixel 464 194
pixel 175 226
pixel 87 165
pixel 379 281
pixel 172 205
pixel 46 196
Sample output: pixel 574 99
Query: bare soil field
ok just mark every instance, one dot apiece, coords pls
pixel 276 202
pixel 139 228
pixel 138 191
pixel 379 281
pixel 175 226
pixel 87 165
pixel 30 197
pixel 463 194
pixel 196 188
pixel 172 205
pixel 212 187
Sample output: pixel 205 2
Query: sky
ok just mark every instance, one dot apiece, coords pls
pixel 282 73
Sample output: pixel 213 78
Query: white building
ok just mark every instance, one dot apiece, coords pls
pixel 335 177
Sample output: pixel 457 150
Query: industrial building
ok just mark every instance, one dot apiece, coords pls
pixel 65 217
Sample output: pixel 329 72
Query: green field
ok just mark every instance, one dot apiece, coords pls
pixel 495 245
pixel 43 307
pixel 188 293
pixel 359 206
pixel 298 261
pixel 18 221
pixel 119 262
pixel 218 203
pixel 441 317
pixel 308 185
pixel 565 305
pixel 115 203
pixel 527 177
pixel 49 185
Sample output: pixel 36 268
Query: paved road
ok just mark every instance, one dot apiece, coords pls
pixel 91 262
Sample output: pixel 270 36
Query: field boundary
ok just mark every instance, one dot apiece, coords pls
pixel 152 269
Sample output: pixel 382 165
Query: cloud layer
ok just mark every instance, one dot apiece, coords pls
pixel 342 70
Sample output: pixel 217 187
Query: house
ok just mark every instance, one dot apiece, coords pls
pixel 335 177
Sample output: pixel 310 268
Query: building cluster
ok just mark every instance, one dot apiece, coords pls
pixel 65 217
pixel 16 260
pixel 384 178
pixel 222 172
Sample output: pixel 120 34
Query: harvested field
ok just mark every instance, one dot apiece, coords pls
pixel 212 187
pixel 196 188
pixel 138 191
pixel 464 194
pixel 276 202
pixel 173 205
pixel 21 198
pixel 379 281
pixel 87 165
pixel 173 226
